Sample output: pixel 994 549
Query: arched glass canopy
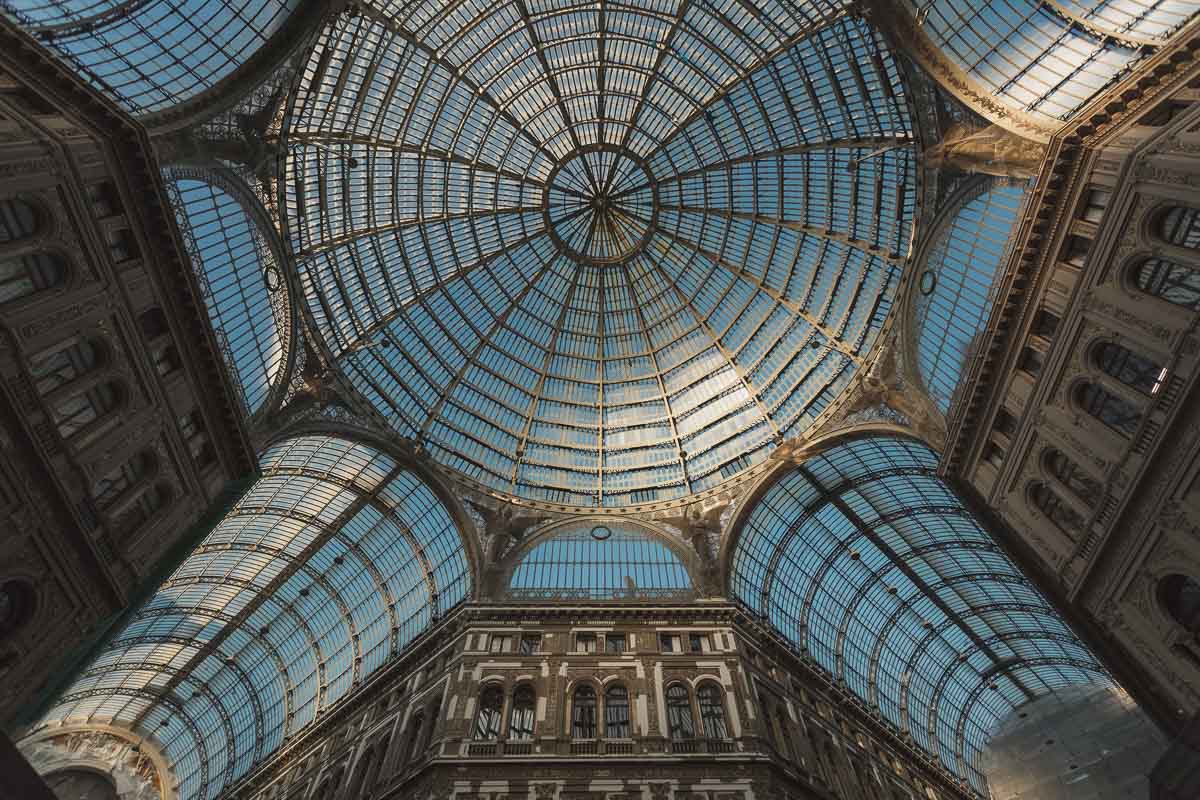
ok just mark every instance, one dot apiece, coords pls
pixel 954 294
pixel 1049 57
pixel 240 282
pixel 330 564
pixel 596 254
pixel 595 560
pixel 150 55
pixel 863 558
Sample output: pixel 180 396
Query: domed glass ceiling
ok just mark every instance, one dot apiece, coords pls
pixel 599 254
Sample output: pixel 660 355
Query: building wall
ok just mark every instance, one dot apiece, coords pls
pixel 1103 506
pixel 1084 743
pixel 115 433
pixel 413 734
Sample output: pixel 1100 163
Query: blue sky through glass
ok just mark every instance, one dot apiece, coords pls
pixel 964 264
pixel 235 291
pixel 600 561
pixel 865 559
pixel 152 55
pixel 721 315
pixel 320 574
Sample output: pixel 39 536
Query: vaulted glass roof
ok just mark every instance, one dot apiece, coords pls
pixel 958 278
pixel 240 282
pixel 865 560
pixel 600 254
pixel 600 560
pixel 1049 57
pixel 329 565
pixel 150 55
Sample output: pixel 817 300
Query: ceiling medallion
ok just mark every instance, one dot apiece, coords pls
pixel 600 204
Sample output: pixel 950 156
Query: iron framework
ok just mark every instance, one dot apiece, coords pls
pixel 332 562
pixel 552 242
pixel 863 558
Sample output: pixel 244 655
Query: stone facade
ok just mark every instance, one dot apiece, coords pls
pixel 1091 470
pixel 117 426
pixel 414 731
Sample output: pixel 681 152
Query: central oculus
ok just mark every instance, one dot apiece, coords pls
pixel 600 204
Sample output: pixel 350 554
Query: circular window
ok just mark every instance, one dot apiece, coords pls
pixel 16 605
pixel 928 282
pixel 601 532
pixel 1180 597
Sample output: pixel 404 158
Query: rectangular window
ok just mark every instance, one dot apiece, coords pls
pixel 696 642
pixel 1094 204
pixel 531 644
pixel 614 643
pixel 993 454
pixel 1045 324
pixel 104 199
pixel 1031 361
pixel 121 245
pixel 585 643
pixel 1076 250
pixel 669 643
pixel 501 644
pixel 1006 423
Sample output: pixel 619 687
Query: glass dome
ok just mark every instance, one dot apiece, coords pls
pixel 600 255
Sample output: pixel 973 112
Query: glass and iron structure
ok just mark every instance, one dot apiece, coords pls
pixel 865 560
pixel 552 242
pixel 238 270
pixel 601 560
pixel 151 55
pixel 329 566
pixel 1048 57
pixel 957 282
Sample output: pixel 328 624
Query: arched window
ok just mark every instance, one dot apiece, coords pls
pixel 148 503
pixel 53 369
pixel 1047 501
pixel 18 220
pixel 1129 368
pixel 583 713
pixel 1180 597
pixel 21 276
pixel 616 712
pixel 520 718
pixel 17 603
pixel 1072 476
pixel 1172 282
pixel 76 411
pixel 712 712
pixel 487 719
pixel 680 724
pixel 1115 412
pixel 783 728
pixel 1181 226
pixel 119 484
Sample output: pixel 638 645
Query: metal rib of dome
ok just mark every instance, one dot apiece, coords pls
pixel 601 253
